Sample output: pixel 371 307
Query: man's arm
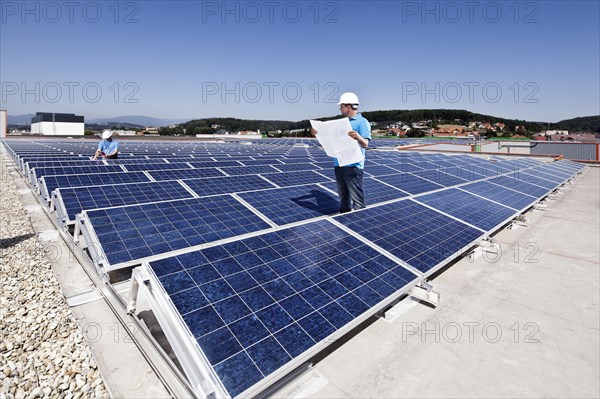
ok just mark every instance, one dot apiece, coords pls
pixel 364 143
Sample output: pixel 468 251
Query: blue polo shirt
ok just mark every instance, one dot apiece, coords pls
pixel 362 126
pixel 108 147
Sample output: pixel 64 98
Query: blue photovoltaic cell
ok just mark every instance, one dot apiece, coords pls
pixel 248 170
pixel 375 191
pixel 179 174
pixel 293 204
pixel 563 174
pixel 534 178
pixel 502 195
pixel 465 173
pixel 257 162
pixel 414 233
pixel 516 183
pixel 257 304
pixel 286 179
pixel 74 162
pixel 86 198
pixel 566 166
pixel 379 170
pixel 214 164
pixel 472 209
pixel 229 184
pixel 560 168
pixel 157 166
pixel 426 165
pixel 404 167
pixel 410 183
pixel 489 170
pixel 439 177
pixel 75 170
pixel 65 181
pixel 549 175
pixel 443 163
pixel 134 232
pixel 291 167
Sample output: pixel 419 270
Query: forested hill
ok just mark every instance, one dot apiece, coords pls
pixel 382 118
pixel 581 124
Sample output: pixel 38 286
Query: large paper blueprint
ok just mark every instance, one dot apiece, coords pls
pixel 333 137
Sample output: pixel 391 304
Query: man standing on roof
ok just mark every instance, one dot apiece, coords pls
pixel 350 177
pixel 108 148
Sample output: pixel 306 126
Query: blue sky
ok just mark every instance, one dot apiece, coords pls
pixel 533 60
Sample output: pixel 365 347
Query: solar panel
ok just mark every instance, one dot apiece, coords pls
pixel 214 164
pixel 515 183
pixel 549 175
pixel 410 183
pixel 260 306
pixel 257 162
pixel 50 183
pixel 286 179
pixel 555 171
pixel 425 165
pixel 133 232
pixel 156 166
pixel 379 170
pixel 291 167
pixel 566 164
pixel 404 167
pixel 180 174
pixel 293 204
pixel 70 162
pixel 72 170
pixel 499 194
pixel 249 170
pixel 420 236
pixel 438 176
pixel 464 173
pixel 224 185
pixel 75 200
pixel 469 208
pixel 534 178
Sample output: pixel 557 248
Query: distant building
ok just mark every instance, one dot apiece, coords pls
pixel 55 124
pixel 151 129
pixel 3 123
pixel 559 132
pixel 499 126
pixel 125 132
pixel 583 137
pixel 396 132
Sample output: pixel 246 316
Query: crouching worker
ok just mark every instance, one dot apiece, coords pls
pixel 108 148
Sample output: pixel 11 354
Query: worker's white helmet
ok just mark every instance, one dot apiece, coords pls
pixel 348 98
pixel 106 134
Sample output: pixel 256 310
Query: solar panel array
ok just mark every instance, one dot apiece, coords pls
pixel 244 247
pixel 255 305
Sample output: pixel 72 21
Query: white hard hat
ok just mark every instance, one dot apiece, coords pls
pixel 106 134
pixel 348 98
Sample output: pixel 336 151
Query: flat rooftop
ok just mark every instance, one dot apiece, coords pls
pixel 521 320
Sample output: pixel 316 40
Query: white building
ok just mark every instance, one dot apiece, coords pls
pixel 125 132
pixel 3 123
pixel 54 124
